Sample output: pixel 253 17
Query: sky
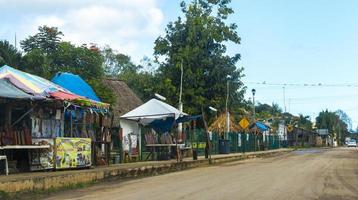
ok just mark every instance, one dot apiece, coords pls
pixel 283 42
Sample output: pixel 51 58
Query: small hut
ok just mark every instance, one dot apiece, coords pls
pixel 125 99
pixel 219 125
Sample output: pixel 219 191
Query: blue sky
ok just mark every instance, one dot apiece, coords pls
pixel 297 41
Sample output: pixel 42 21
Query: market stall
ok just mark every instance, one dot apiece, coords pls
pixel 39 114
pixel 160 138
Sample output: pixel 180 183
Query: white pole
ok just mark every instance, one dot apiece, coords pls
pixel 227 110
pixel 180 125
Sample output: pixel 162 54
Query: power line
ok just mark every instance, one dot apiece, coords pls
pixel 302 84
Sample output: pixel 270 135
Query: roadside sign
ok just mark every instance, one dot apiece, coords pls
pixel 244 123
pixel 290 128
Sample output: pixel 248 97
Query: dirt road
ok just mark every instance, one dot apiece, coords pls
pixel 306 174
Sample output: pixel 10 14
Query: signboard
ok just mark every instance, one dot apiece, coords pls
pixel 282 130
pixel 239 140
pixel 73 152
pixel 322 131
pixel 290 128
pixel 244 123
pixel 42 158
pixel 200 145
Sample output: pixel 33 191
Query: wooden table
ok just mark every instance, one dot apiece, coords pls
pixel 24 147
pixel 155 148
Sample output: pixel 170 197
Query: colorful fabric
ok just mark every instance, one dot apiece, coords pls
pixel 8 90
pixel 28 82
pixel 41 88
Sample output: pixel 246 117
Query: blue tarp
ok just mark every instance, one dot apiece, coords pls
pixel 75 84
pixel 260 126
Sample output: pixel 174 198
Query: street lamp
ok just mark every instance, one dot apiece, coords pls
pixel 209 135
pixel 253 103
pixel 160 97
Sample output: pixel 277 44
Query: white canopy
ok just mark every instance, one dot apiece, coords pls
pixel 152 110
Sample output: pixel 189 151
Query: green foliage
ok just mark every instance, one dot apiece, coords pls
pixel 9 55
pixel 115 63
pixel 46 54
pixel 335 125
pixel 47 40
pixel 197 42
pixel 35 62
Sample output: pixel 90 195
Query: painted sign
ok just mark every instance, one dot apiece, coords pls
pixel 199 145
pixel 73 152
pixel 42 158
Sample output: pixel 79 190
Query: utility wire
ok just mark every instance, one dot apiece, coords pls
pixel 303 84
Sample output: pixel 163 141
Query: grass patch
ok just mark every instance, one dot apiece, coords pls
pixel 40 194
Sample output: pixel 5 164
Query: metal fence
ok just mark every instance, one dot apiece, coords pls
pixel 238 142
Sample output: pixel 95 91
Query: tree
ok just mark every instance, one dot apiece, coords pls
pixel 115 63
pixel 197 43
pixel 47 40
pixel 9 55
pixel 345 118
pixel 332 122
pixel 46 54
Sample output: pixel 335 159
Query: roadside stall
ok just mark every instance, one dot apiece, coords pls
pixel 158 119
pixel 52 119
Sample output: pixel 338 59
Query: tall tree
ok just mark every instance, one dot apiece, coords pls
pixel 9 55
pixel 47 40
pixel 46 54
pixel 198 44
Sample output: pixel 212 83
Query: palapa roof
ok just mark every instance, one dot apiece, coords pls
pixel 125 99
pixel 219 125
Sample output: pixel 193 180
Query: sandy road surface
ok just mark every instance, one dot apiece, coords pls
pixel 306 174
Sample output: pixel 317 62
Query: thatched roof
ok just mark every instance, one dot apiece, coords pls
pixel 219 125
pixel 125 99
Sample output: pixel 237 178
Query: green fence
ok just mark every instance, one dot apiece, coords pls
pixel 239 142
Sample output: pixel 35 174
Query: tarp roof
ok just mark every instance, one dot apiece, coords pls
pixel 28 82
pixel 8 90
pixel 42 88
pixel 261 126
pixel 152 110
pixel 75 84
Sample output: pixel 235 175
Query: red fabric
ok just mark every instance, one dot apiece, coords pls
pixel 64 95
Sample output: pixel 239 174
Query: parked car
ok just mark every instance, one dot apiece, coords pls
pixel 352 143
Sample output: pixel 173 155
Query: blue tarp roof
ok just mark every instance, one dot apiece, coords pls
pixel 261 126
pixel 75 84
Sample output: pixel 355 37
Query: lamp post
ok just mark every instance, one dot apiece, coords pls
pixel 226 107
pixel 253 103
pixel 254 114
pixel 209 137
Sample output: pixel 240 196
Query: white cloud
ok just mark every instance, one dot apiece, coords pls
pixel 130 26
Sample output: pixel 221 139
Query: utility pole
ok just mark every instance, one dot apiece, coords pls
pixel 180 125
pixel 284 98
pixel 226 108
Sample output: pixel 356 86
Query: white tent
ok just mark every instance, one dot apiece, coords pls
pixel 152 110
pixel 144 115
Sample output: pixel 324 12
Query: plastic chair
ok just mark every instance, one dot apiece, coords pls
pixel 6 164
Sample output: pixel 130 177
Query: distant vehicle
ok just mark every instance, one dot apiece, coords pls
pixel 352 143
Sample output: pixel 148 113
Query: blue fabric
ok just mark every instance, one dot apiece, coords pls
pixel 261 126
pixel 162 125
pixel 187 118
pixel 75 84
